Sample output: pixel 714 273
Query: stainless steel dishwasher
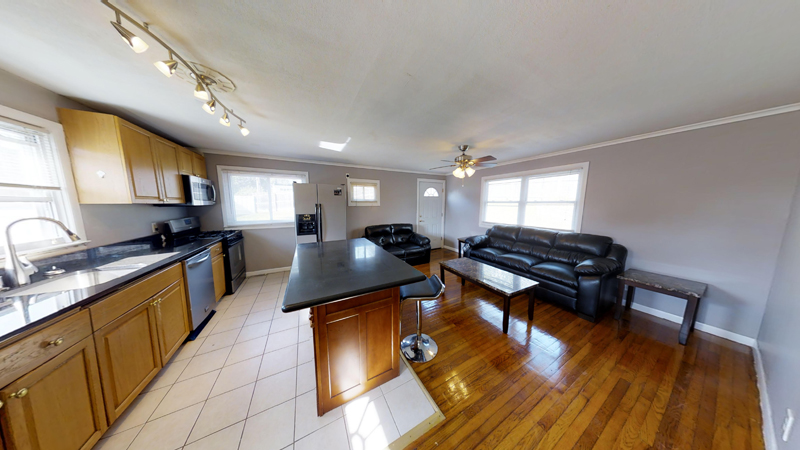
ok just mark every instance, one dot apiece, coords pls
pixel 200 279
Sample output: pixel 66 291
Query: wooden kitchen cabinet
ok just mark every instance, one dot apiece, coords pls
pixel 356 344
pixel 128 354
pixel 57 406
pixel 172 320
pixel 218 269
pixel 199 165
pixel 116 162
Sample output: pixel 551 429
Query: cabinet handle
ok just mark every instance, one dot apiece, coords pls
pixel 155 302
pixel 1 404
pixel 20 393
pixel 55 342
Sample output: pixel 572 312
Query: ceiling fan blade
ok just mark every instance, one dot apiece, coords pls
pixel 484 164
pixel 484 159
pixel 441 167
pixel 446 160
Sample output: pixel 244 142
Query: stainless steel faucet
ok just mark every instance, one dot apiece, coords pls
pixel 18 269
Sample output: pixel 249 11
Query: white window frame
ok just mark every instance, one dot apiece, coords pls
pixel 71 207
pixel 352 202
pixel 228 216
pixel 577 219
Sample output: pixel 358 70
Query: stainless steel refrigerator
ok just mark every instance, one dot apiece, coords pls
pixel 320 212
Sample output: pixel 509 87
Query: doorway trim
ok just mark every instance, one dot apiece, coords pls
pixel 444 193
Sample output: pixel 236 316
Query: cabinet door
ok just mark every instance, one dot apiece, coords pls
pixel 141 162
pixel 185 160
pixel 57 406
pixel 173 319
pixel 199 165
pixel 218 268
pixel 167 153
pixel 356 343
pixel 128 356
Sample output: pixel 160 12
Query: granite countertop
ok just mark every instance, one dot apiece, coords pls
pixel 672 284
pixel 329 271
pixel 22 312
pixel 498 280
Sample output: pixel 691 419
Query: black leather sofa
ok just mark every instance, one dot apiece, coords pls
pixel 576 271
pixel 400 240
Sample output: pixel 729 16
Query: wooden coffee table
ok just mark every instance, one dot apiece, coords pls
pixel 498 281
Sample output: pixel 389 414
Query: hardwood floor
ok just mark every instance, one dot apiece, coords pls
pixel 560 382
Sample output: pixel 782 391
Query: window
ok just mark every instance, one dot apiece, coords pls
pixel 35 181
pixel 258 198
pixel 430 192
pixel 363 192
pixel 550 198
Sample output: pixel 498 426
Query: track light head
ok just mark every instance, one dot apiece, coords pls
pixel 225 120
pixel 167 67
pixel 243 129
pixel 210 106
pixel 135 42
pixel 201 92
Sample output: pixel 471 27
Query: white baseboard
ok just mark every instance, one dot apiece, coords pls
pixel 452 249
pixel 731 336
pixel 267 271
pixel 770 440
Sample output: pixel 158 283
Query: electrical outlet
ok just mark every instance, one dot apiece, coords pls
pixel 154 227
pixel 788 422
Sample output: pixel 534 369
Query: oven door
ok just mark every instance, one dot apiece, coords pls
pixel 236 264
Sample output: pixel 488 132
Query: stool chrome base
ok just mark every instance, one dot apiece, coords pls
pixel 419 352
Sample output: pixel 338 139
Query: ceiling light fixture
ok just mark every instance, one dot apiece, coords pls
pixel 333 146
pixel 204 77
pixel 135 42
pixel 459 172
pixel 210 106
pixel 469 171
pixel 167 67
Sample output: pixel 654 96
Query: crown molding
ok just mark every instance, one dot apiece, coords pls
pixel 695 126
pixel 312 161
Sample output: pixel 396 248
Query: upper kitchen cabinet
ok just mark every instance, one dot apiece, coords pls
pixel 199 165
pixel 191 163
pixel 116 162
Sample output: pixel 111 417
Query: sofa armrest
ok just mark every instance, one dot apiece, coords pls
pixel 420 240
pixel 597 266
pixel 477 241
pixel 379 241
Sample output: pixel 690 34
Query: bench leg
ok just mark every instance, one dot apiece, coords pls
pixel 629 303
pixel 688 319
pixel 506 308
pixel 618 311
pixel 441 269
pixel 531 296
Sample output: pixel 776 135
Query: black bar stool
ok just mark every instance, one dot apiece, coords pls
pixel 420 347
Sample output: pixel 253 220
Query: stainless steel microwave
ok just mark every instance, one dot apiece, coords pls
pixel 199 191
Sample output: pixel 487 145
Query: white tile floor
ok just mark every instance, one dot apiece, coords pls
pixel 247 382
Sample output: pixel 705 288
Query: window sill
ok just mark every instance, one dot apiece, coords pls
pixel 56 250
pixel 265 226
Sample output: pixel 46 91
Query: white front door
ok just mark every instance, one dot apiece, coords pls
pixel 430 211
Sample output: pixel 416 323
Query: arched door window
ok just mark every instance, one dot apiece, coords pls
pixel 430 192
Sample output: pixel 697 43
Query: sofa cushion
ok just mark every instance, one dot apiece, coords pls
pixel 488 253
pixel 412 250
pixel 396 251
pixel 379 232
pixel 591 244
pixel 517 261
pixel 503 237
pixel 558 272
pixel 402 232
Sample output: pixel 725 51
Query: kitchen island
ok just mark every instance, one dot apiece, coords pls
pixel 352 290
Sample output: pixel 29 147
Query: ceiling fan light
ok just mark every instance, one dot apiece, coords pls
pixel 459 172
pixel 210 106
pixel 201 92
pixel 225 120
pixel 470 171
pixel 243 129
pixel 134 42
pixel 167 67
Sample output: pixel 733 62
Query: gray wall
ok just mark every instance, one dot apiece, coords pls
pixel 104 224
pixel 273 248
pixel 708 204
pixel 780 332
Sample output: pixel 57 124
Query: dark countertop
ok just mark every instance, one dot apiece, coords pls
pixel 329 271
pixel 22 312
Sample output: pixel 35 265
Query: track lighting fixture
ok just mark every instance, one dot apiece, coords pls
pixel 168 66
pixel 135 42
pixel 210 106
pixel 208 82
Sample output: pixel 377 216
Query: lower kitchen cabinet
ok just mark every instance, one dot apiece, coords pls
pixel 218 268
pixel 172 320
pixel 129 356
pixel 58 405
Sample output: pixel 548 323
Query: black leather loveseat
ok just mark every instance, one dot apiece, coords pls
pixel 400 240
pixel 574 270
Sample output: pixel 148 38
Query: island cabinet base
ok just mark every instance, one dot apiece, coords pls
pixel 356 344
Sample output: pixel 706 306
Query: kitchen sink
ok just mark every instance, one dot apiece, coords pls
pixel 76 280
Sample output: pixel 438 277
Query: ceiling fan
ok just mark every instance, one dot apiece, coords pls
pixel 465 165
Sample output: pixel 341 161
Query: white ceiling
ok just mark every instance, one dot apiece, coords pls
pixel 410 80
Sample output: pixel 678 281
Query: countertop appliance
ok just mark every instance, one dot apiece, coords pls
pixel 320 212
pixel 198 191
